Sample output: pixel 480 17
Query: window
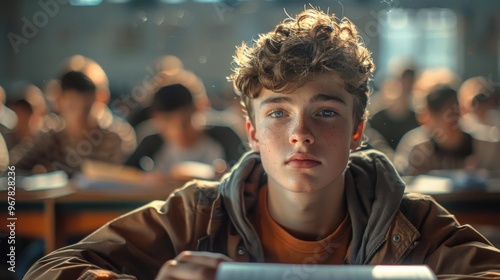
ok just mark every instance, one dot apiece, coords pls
pixel 428 36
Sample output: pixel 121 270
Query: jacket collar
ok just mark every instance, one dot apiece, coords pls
pixel 373 193
pixel 239 190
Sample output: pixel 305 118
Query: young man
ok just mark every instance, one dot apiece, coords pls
pixel 77 137
pixel 299 196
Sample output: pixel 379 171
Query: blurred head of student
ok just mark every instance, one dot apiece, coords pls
pixel 443 111
pixel 92 70
pixel 31 109
pixel 78 94
pixel 304 86
pixel 469 89
pixel 485 106
pixel 172 114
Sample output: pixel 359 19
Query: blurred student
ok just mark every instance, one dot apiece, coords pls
pixel 32 113
pixel 167 70
pixel 24 112
pixel 100 109
pixel 164 70
pixel 398 117
pixel 440 143
pixel 179 139
pixel 300 196
pixel 479 103
pixel 79 135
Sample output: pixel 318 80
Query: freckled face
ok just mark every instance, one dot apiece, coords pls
pixel 304 137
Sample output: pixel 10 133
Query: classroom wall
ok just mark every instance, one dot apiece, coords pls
pixel 125 39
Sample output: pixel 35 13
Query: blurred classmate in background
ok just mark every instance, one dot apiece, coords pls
pixel 479 103
pixel 166 70
pixel 440 143
pixel 22 134
pixel 34 96
pixel 398 117
pixel 79 135
pixel 100 109
pixel 31 110
pixel 179 139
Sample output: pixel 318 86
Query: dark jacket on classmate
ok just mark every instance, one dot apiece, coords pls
pixel 388 227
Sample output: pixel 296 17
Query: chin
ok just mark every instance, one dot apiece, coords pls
pixel 303 186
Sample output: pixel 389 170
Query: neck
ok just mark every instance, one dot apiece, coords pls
pixel 399 109
pixel 308 216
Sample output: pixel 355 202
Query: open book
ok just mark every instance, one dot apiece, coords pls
pixel 259 271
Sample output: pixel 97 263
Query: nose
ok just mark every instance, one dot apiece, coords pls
pixel 301 132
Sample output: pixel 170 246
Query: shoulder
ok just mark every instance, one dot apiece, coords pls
pixel 427 215
pixel 416 136
pixel 380 115
pixel 195 194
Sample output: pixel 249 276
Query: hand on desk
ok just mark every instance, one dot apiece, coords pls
pixel 192 265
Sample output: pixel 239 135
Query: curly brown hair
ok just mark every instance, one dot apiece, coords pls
pixel 312 42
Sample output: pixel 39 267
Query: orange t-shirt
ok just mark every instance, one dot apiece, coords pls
pixel 281 247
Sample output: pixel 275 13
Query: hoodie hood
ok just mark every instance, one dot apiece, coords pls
pixel 239 190
pixel 373 191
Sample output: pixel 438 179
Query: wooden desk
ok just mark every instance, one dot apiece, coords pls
pixel 57 214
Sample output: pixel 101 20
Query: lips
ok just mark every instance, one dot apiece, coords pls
pixel 302 160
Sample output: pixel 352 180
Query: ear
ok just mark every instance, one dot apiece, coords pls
pixel 423 117
pixel 251 134
pixel 102 95
pixel 357 137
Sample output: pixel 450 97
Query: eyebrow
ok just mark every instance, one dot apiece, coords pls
pixel 325 97
pixel 317 98
pixel 276 99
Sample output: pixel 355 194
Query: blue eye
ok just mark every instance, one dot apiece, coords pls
pixel 327 113
pixel 277 114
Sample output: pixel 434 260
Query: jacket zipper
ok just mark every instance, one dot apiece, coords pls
pixel 374 250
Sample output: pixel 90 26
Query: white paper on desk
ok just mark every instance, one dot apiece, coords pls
pixel 428 184
pixel 259 271
pixel 45 181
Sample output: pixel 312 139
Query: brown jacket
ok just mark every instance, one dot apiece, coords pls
pixel 389 227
